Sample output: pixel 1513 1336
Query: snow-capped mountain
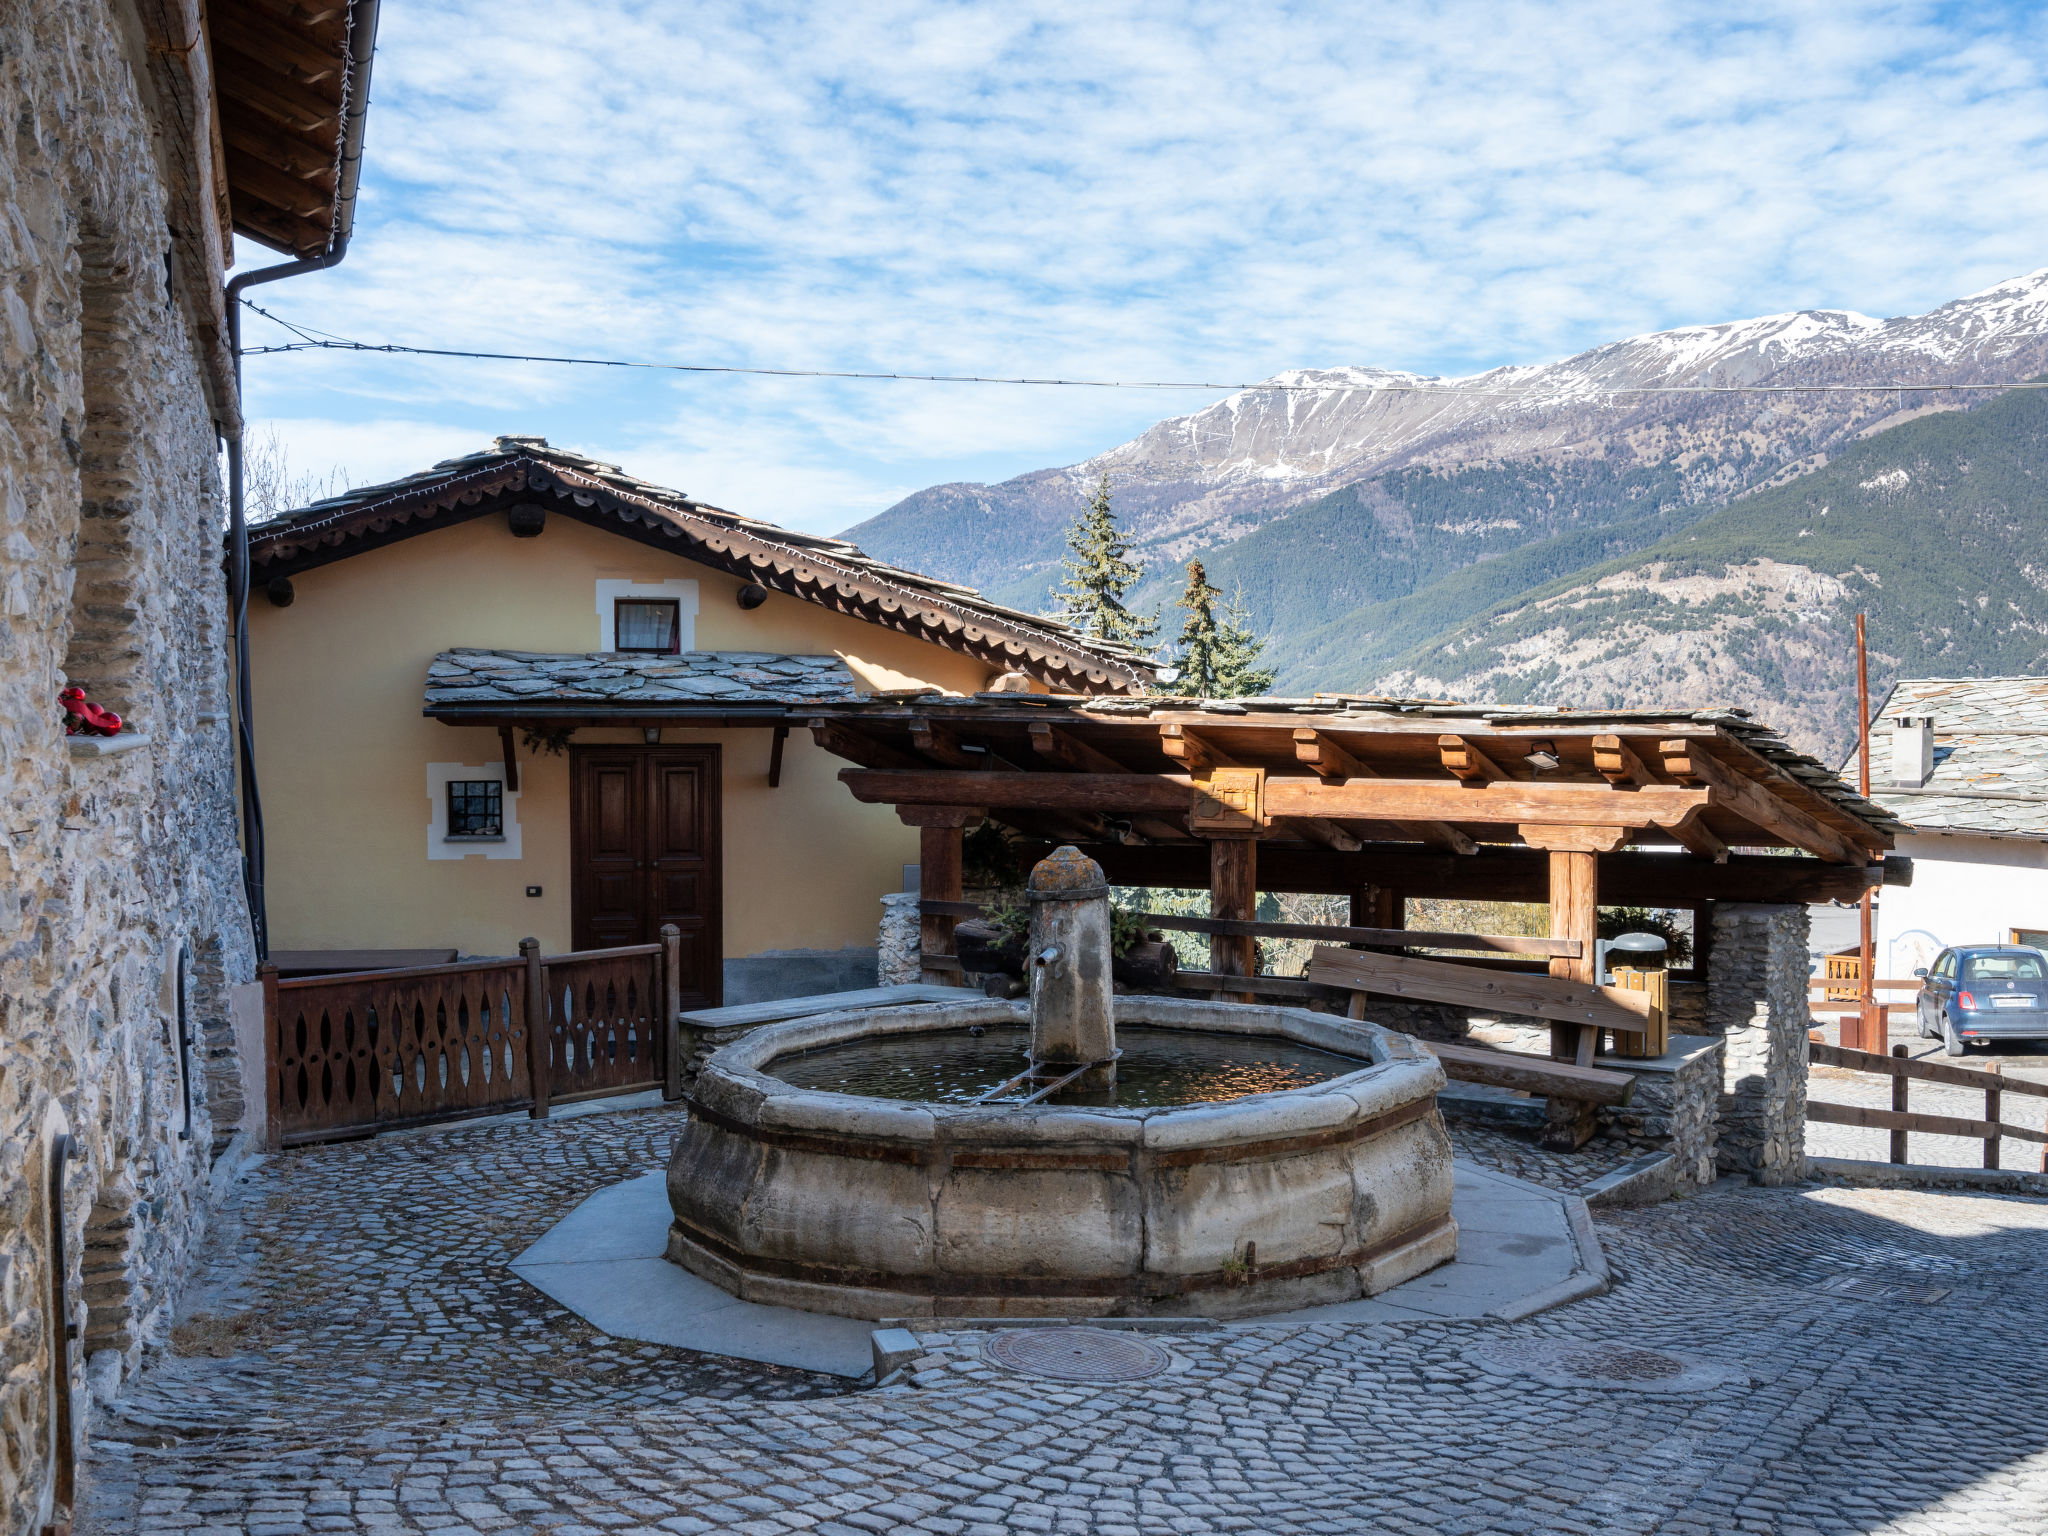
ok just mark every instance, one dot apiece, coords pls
pixel 1214 476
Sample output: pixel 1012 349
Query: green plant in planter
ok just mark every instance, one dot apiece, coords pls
pixel 1011 920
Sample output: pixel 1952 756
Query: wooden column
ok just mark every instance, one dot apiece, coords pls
pixel 1574 914
pixel 673 1039
pixel 536 1026
pixel 273 1090
pixel 940 830
pixel 1234 894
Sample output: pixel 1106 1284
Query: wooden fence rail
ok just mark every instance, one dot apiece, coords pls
pixel 1329 933
pixel 1900 1118
pixel 353 1054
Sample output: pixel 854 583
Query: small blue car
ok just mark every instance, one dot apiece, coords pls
pixel 1979 994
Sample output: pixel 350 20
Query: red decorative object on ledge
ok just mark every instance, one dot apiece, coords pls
pixel 82 717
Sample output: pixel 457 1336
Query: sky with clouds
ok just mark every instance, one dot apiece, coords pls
pixel 1101 189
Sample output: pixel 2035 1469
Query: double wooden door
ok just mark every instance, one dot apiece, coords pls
pixel 644 851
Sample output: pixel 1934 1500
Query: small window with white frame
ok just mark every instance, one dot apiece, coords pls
pixel 648 625
pixel 476 810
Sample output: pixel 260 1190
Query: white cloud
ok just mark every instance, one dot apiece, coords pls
pixel 1116 190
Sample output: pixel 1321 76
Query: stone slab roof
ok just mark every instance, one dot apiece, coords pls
pixel 1990 754
pixel 528 474
pixel 611 679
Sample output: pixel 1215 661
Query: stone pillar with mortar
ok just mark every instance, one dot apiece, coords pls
pixel 1757 1001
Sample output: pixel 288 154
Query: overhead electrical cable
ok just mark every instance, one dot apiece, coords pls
pixel 313 340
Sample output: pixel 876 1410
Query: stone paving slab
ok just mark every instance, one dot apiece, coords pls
pixel 368 1363
pixel 603 1261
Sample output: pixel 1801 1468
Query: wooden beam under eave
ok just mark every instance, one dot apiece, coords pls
pixel 1697 838
pixel 1503 804
pixel 1070 751
pixel 857 747
pixel 255 33
pixel 1462 758
pixel 279 97
pixel 1733 792
pixel 1193 752
pixel 1617 763
pixel 248 176
pixel 292 153
pixel 1333 762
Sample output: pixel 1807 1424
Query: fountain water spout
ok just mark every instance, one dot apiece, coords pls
pixel 1073 1020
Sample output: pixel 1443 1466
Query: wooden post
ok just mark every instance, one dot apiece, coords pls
pixel 273 1090
pixel 1574 914
pixel 536 1025
pixel 1873 1024
pixel 1994 1099
pixel 1898 1103
pixel 1234 894
pixel 671 1012
pixel 939 835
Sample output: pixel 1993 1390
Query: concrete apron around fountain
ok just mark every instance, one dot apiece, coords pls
pixel 873 1208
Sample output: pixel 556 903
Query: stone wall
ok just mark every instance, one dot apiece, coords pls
pixel 1757 1000
pixel 112 862
pixel 899 952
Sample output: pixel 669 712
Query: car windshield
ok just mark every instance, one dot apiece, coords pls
pixel 2003 968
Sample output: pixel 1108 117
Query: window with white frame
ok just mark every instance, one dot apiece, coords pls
pixel 646 624
pixel 476 809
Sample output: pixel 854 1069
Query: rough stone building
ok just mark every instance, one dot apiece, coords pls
pixel 142 138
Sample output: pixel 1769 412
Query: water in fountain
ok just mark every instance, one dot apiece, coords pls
pixel 1070 1055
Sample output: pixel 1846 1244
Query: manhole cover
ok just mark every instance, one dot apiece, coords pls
pixel 1611 1366
pixel 1871 1288
pixel 1078 1354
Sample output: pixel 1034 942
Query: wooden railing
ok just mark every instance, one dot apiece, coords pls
pixel 353 1054
pixel 1900 1118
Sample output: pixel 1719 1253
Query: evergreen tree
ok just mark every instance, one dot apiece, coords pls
pixel 1238 649
pixel 1098 575
pixel 1219 654
pixel 1200 634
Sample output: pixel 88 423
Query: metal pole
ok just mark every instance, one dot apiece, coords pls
pixel 1872 1024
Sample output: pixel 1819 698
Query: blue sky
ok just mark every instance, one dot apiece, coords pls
pixel 1109 190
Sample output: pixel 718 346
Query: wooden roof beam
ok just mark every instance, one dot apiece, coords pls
pixel 1334 763
pixel 1465 760
pixel 1070 751
pixel 859 747
pixel 942 744
pixel 1687 762
pixel 1317 829
pixel 1195 753
pixel 1503 804
pixel 1618 764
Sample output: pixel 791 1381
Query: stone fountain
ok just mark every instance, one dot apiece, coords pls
pixel 988 1158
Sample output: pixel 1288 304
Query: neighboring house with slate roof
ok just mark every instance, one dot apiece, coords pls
pixel 429 648
pixel 1965 762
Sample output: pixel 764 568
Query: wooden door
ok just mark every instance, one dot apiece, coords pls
pixel 645 852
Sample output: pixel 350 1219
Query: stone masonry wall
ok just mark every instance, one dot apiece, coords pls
pixel 899 944
pixel 110 864
pixel 1757 999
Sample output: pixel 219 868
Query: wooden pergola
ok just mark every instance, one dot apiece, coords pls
pixel 1380 800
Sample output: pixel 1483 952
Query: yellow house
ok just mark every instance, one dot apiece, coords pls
pixel 524 694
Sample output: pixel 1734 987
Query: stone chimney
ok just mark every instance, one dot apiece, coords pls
pixel 1912 750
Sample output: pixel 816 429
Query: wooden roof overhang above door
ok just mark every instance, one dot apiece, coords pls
pixel 1334 793
pixel 828 572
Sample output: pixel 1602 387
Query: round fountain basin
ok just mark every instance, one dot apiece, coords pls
pixel 873 1207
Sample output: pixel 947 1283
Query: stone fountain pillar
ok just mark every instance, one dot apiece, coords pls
pixel 1072 1017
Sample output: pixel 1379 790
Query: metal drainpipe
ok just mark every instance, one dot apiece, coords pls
pixel 362 47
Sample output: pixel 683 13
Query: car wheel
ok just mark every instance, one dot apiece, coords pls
pixel 1920 1024
pixel 1950 1040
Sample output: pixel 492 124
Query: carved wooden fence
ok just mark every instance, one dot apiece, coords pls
pixel 354 1054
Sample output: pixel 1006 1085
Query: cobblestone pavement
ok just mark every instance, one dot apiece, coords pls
pixel 365 1364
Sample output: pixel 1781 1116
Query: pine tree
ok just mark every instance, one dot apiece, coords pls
pixel 1219 654
pixel 1238 673
pixel 1098 575
pixel 1200 634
